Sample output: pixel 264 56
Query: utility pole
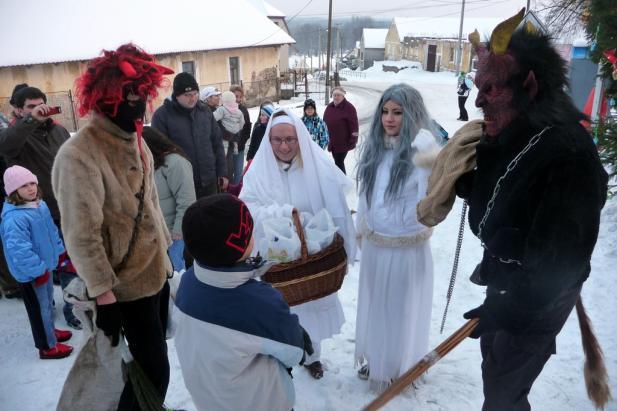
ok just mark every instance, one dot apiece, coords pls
pixel 459 48
pixel 528 2
pixel 327 93
pixel 319 55
pixel 340 46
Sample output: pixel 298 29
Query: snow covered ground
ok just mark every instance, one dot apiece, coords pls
pixel 30 384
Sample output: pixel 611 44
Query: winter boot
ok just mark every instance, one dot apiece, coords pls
pixel 62 335
pixel 363 373
pixel 74 323
pixel 57 352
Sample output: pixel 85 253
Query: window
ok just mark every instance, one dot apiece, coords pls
pixel 188 67
pixel 234 70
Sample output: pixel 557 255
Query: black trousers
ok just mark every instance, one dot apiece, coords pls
pixel 511 363
pixel 145 333
pixel 462 112
pixel 339 160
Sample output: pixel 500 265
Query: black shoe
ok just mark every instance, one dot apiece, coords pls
pixel 364 372
pixel 74 323
pixel 12 294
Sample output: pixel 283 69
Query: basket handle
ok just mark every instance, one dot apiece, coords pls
pixel 303 248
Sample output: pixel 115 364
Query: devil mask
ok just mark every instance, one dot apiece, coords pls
pixel 128 111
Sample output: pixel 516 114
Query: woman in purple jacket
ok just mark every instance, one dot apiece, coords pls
pixel 342 121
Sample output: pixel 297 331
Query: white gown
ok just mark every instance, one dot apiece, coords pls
pixel 321 318
pixel 396 277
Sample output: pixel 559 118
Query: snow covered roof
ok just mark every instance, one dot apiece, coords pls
pixel 272 11
pixel 374 38
pixel 444 27
pixel 68 30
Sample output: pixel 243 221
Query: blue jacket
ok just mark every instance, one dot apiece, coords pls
pixel 317 129
pixel 30 239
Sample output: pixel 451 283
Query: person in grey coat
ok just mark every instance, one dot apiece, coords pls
pixel 173 175
pixel 191 125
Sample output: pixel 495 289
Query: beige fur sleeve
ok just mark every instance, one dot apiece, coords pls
pixel 78 187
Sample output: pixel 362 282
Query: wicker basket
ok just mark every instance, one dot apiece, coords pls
pixel 311 276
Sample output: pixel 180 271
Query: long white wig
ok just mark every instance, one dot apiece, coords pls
pixel 415 117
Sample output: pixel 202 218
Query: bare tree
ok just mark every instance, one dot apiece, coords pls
pixel 564 17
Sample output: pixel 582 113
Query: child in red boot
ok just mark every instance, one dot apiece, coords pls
pixel 33 249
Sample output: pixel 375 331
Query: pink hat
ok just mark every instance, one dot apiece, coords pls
pixel 17 176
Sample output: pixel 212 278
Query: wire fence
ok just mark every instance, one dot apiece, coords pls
pixel 64 99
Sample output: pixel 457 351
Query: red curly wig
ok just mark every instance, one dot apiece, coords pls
pixel 112 76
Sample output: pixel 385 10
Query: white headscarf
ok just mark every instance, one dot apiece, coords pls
pixel 324 181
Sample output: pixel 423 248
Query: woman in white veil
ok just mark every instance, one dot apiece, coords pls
pixel 291 170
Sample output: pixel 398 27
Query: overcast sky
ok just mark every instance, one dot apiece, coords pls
pixel 401 8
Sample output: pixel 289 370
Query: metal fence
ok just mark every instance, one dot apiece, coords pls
pixel 254 91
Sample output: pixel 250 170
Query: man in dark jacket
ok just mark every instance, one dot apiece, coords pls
pixel 245 133
pixel 342 121
pixel 33 141
pixel 191 125
pixel 534 202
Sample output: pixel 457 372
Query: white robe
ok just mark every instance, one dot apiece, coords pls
pixel 312 182
pixel 396 275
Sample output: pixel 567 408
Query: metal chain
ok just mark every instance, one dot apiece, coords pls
pixel 459 243
pixel 511 166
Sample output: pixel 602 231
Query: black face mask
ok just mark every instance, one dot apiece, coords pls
pixel 127 114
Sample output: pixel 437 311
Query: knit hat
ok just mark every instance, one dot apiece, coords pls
pixel 267 110
pixel 17 176
pixel 310 103
pixel 209 91
pixel 217 230
pixel 228 97
pixel 184 82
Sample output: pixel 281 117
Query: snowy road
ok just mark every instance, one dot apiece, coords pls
pixel 29 384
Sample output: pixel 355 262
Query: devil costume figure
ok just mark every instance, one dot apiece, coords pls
pixel 534 199
pixel 103 178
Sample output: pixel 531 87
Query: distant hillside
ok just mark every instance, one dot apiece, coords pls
pixel 305 30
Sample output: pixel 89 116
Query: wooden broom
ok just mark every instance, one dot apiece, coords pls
pixel 424 364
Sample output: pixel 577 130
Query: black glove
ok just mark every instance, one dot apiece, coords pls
pixel 308 345
pixel 485 325
pixel 108 319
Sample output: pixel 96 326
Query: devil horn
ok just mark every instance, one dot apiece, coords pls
pixel 500 39
pixel 127 69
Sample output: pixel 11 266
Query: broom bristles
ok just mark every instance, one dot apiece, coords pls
pixel 596 376
pixel 147 395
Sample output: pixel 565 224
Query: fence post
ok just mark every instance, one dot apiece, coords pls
pixel 306 87
pixel 72 110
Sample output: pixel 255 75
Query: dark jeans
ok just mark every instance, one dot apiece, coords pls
pixel 143 328
pixel 7 282
pixel 511 363
pixel 207 189
pixel 65 279
pixel 461 108
pixel 339 160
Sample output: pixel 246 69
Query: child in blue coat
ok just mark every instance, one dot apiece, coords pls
pixel 33 248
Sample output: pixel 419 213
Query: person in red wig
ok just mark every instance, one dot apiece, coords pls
pixel 103 178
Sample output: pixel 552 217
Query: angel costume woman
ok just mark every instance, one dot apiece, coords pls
pixel 396 267
pixel 292 171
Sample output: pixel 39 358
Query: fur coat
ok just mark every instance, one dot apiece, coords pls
pixel 96 178
pixel 544 224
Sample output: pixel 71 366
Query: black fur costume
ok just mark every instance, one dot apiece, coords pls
pixel 546 216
